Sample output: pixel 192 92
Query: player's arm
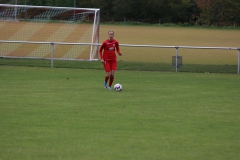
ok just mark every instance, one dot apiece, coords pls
pixel 101 51
pixel 118 49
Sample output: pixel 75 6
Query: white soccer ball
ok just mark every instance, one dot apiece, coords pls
pixel 118 87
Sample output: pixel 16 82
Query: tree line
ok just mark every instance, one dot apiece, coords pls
pixel 200 12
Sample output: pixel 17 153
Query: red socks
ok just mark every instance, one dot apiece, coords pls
pixel 111 80
pixel 106 79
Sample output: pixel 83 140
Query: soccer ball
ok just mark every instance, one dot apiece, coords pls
pixel 118 87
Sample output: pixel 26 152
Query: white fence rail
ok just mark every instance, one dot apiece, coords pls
pixel 132 45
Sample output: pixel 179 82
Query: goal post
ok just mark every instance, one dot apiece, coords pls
pixel 59 25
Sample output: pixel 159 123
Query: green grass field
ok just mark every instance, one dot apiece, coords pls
pixel 65 113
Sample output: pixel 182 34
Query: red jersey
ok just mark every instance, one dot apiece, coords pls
pixel 109 48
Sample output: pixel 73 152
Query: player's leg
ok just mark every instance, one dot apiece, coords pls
pixel 108 73
pixel 111 78
pixel 112 72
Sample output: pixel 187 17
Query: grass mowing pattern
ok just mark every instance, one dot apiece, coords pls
pixel 160 59
pixel 66 114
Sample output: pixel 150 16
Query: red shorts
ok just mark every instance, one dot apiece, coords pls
pixel 110 65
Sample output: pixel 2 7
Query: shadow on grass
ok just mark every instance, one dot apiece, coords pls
pixel 137 66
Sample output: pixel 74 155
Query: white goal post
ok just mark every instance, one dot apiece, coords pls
pixel 43 25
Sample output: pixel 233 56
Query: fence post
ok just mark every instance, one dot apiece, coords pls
pixel 238 60
pixel 52 55
pixel 176 67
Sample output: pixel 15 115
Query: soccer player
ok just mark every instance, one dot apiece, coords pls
pixel 109 58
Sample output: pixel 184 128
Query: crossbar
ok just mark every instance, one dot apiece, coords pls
pixel 49 7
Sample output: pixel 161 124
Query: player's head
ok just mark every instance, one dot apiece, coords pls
pixel 110 34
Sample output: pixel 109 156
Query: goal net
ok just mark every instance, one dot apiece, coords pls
pixel 28 31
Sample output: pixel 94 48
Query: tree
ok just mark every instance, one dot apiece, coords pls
pixel 204 12
pixel 219 12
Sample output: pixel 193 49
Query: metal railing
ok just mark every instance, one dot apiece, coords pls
pixel 131 45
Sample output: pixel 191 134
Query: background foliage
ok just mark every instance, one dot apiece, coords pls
pixel 191 12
